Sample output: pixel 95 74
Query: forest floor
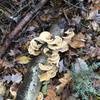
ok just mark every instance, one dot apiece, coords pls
pixel 66 33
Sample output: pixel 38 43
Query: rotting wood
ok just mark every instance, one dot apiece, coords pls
pixel 31 84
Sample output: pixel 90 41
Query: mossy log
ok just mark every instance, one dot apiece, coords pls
pixel 31 84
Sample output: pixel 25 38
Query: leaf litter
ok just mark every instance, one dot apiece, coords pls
pixel 66 33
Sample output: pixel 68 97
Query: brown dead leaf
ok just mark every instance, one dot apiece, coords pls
pixel 98 41
pixel 51 95
pixel 23 59
pixel 78 41
pixel 94 52
pixel 45 18
pixel 64 80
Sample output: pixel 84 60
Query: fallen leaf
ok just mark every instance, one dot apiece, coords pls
pixel 2 89
pixel 7 78
pixel 62 67
pixel 66 40
pixel 23 59
pixel 78 41
pixel 45 18
pixel 80 65
pixel 1 97
pixel 16 78
pixel 63 81
pixel 95 26
pixel 94 52
pixel 98 41
pixel 51 95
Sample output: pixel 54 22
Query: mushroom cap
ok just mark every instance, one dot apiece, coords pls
pixel 47 51
pixel 45 67
pixel 34 45
pixel 33 52
pixel 44 77
pixel 65 46
pixel 54 58
pixel 49 74
pixel 56 43
pixel 52 73
pixel 45 36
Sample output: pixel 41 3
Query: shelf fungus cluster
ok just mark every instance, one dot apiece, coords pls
pixel 50 47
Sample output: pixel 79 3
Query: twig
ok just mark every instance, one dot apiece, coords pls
pixel 19 27
pixel 74 5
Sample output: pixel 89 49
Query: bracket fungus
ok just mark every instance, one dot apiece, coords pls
pixel 45 67
pixel 34 47
pixel 48 75
pixel 50 50
pixel 54 58
pixel 56 43
pixel 45 37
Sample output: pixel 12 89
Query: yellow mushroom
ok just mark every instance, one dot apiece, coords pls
pixel 47 51
pixel 67 40
pixel 65 46
pixel 52 73
pixel 44 77
pixel 54 58
pixel 56 43
pixel 45 36
pixel 33 52
pixel 34 45
pixel 45 67
pixel 48 75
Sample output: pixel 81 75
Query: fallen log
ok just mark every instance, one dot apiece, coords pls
pixel 31 84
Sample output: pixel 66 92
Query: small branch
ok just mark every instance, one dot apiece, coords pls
pixel 19 27
pixel 67 2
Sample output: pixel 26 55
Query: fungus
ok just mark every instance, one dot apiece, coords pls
pixel 45 67
pixel 33 52
pixel 48 75
pixel 65 46
pixel 67 40
pixel 35 43
pixel 34 47
pixel 56 43
pixel 47 51
pixel 45 36
pixel 51 50
pixel 54 58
